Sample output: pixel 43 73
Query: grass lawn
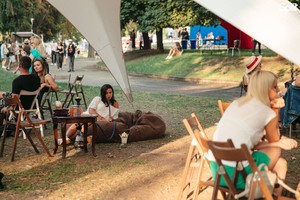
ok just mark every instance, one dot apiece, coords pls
pixel 34 176
pixel 192 64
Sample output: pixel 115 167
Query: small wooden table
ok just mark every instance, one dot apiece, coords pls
pixel 64 120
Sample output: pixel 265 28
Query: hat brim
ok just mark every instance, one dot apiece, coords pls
pixel 255 65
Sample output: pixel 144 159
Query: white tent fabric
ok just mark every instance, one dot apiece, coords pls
pixel 274 23
pixel 99 22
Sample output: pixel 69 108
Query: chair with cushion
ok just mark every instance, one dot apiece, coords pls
pixel 17 111
pixel 239 156
pixel 236 46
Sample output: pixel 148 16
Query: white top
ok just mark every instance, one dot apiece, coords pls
pixel 102 110
pixel 243 124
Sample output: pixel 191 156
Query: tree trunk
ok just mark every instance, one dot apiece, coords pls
pixel 159 39
pixel 147 44
pixel 91 52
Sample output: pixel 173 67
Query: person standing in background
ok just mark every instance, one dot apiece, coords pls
pixel 254 47
pixel 59 55
pixel 132 38
pixel 53 52
pixel 4 52
pixel 65 55
pixel 141 40
pixel 71 55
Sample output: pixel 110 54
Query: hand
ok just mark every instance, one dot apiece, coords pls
pixel 287 143
pixel 4 110
pixel 110 119
pixel 43 85
pixel 100 118
pixel 277 103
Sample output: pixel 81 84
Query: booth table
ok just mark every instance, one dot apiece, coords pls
pixel 64 120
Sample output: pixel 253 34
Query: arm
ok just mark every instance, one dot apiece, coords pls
pixel 284 143
pixel 93 111
pixel 273 137
pixel 50 82
pixel 272 130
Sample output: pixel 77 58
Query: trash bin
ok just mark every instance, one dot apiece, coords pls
pixel 184 44
pixel 193 44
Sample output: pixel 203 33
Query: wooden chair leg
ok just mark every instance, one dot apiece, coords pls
pixel 30 140
pixel 4 135
pixel 15 144
pixel 199 177
pixel 185 172
pixel 41 141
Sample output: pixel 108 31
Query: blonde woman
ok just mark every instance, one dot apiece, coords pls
pixel 245 122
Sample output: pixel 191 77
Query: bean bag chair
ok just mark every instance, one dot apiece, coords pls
pixel 139 125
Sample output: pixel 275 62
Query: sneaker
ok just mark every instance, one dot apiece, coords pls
pixel 3 67
pixel 60 141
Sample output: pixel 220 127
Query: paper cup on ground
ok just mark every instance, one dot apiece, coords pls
pixel 124 137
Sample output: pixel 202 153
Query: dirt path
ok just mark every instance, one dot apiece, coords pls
pixel 96 77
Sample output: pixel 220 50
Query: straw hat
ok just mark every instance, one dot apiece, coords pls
pixel 26 41
pixel 252 62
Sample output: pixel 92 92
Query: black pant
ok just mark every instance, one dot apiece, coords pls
pixel 254 46
pixel 53 57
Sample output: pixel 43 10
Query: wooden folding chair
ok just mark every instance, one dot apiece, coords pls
pixel 17 110
pixel 45 104
pixel 74 90
pixel 223 106
pixel 62 78
pixel 237 155
pixel 34 108
pixel 194 159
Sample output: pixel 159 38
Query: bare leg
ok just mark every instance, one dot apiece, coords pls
pixel 277 165
pixel 71 132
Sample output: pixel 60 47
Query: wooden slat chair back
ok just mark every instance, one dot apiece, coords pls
pixel 45 104
pixel 79 89
pixel 223 106
pixel 13 104
pixel 34 108
pixel 194 159
pixel 237 155
pixel 74 90
pixel 62 78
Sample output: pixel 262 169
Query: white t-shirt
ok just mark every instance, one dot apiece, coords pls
pixel 102 110
pixel 243 124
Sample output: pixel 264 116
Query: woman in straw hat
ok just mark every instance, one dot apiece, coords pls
pixel 247 120
pixel 252 65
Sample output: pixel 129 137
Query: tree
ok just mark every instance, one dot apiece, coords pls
pixel 154 15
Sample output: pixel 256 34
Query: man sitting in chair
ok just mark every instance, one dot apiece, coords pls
pixel 25 81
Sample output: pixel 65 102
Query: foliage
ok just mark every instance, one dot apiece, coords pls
pixel 154 15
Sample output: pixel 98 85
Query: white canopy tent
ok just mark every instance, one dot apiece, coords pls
pixel 274 23
pixel 99 22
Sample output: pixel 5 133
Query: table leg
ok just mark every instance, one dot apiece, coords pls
pixel 63 135
pixel 85 125
pixel 55 132
pixel 94 138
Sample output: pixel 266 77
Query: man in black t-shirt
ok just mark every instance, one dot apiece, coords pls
pixel 25 81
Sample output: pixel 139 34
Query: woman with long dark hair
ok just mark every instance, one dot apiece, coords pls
pixel 105 106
